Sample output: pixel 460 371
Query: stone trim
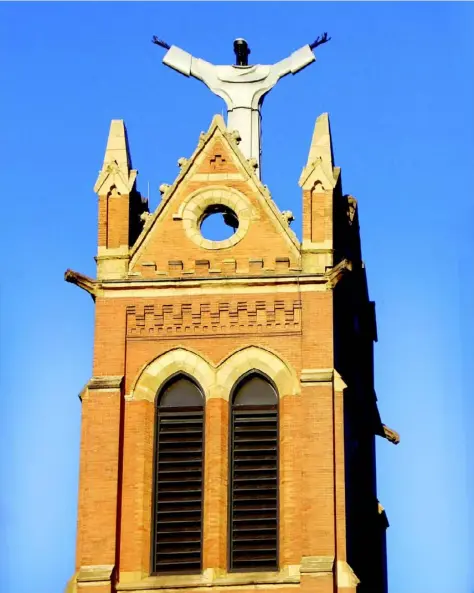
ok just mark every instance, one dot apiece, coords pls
pixel 391 435
pixel 84 282
pixel 311 376
pixel 311 564
pixel 336 273
pixel 346 577
pixel 383 516
pixel 106 382
pixel 83 393
pixel 317 173
pixel 339 384
pixel 192 209
pixel 219 177
pixel 215 382
pixel 134 281
pixel 211 578
pixel 94 574
pixel 200 290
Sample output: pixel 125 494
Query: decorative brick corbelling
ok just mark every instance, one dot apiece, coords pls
pixel 268 316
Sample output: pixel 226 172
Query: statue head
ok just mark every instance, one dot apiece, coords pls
pixel 241 50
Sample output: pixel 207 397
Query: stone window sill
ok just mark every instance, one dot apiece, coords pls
pixel 210 578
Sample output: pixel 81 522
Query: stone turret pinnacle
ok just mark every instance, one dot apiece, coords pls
pixel 321 143
pixel 320 165
pixel 117 168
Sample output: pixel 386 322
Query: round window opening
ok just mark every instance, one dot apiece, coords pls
pixel 218 223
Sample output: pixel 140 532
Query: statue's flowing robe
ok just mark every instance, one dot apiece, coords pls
pixel 241 87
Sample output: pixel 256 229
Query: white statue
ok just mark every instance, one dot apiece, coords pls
pixel 242 87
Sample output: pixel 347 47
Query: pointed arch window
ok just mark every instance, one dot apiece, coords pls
pixel 253 508
pixel 178 478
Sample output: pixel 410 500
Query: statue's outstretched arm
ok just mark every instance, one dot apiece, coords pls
pixel 299 59
pixel 294 63
pixel 186 64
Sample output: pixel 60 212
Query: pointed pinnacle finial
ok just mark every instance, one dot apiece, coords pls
pixel 321 144
pixel 117 145
pixel 117 167
pixel 320 165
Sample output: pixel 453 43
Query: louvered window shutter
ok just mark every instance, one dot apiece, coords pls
pixel 178 481
pixel 253 505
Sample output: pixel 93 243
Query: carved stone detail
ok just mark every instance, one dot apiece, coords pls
pixel 337 272
pixel 391 435
pixel 84 282
pixel 236 137
pixel 253 163
pixel 351 208
pixel 223 318
pixel 288 216
pixel 164 187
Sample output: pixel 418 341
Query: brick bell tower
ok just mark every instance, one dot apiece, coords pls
pixel 228 429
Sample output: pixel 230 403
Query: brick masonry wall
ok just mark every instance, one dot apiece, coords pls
pixel 132 332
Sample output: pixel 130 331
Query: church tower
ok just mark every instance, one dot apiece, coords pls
pixel 228 429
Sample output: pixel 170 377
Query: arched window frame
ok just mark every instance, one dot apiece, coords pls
pixel 234 392
pixel 155 571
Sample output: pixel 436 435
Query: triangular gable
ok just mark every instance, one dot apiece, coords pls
pixel 199 168
pixel 221 160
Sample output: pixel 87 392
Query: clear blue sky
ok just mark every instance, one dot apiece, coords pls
pixel 397 79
